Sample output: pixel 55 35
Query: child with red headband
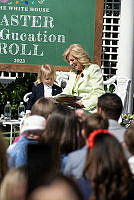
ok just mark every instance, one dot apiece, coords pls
pixel 107 174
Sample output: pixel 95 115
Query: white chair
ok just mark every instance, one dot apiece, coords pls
pixel 26 97
pixel 62 78
pixel 122 86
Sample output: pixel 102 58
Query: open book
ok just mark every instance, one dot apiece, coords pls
pixel 66 98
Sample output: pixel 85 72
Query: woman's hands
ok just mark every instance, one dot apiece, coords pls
pixel 80 105
pixel 82 116
pixel 77 105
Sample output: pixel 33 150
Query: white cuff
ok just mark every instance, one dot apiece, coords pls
pixel 28 111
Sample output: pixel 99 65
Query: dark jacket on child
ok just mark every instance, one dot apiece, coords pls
pixel 38 92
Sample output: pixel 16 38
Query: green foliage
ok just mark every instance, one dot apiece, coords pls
pixel 111 89
pixel 15 91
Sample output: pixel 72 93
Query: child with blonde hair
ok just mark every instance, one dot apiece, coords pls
pixel 14 185
pixel 44 85
pixel 56 187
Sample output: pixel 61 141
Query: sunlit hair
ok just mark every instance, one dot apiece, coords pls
pixel 55 187
pixel 46 71
pixel 43 107
pixel 79 53
pixel 15 179
pixel 107 169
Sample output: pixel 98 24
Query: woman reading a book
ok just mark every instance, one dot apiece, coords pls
pixel 85 78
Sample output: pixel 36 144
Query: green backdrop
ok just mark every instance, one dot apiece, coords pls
pixel 38 32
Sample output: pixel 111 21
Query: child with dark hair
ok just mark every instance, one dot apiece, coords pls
pixel 110 105
pixel 63 132
pixel 71 139
pixel 76 160
pixel 52 135
pixel 107 174
pixel 129 142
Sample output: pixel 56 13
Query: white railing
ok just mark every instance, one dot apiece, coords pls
pixel 110 38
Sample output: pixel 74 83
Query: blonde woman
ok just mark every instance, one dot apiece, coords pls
pixel 44 85
pixel 85 79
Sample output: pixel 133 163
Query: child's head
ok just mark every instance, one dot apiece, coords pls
pixel 14 185
pixel 93 122
pixel 57 187
pixel 129 139
pixel 43 107
pixel 46 75
pixel 106 166
pixel 110 105
pixel 33 127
